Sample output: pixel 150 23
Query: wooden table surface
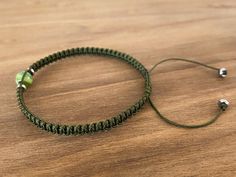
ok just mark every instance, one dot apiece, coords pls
pixel 86 89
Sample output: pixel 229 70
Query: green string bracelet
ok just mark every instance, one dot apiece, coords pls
pixel 25 78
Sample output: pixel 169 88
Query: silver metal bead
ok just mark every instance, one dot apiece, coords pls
pixel 21 85
pixel 222 72
pixel 223 104
pixel 31 70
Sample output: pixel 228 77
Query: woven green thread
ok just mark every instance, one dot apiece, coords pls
pixel 95 126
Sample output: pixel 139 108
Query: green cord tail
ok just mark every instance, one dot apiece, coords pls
pixel 223 104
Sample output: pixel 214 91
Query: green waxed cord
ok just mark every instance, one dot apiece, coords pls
pixel 81 129
pixel 222 106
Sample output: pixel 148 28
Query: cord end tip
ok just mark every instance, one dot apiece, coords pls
pixel 223 104
pixel 222 72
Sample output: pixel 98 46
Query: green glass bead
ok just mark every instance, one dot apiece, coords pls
pixel 27 80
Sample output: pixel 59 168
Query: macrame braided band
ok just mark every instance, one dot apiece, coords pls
pixel 91 127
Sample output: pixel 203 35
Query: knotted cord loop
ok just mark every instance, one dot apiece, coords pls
pixel 93 127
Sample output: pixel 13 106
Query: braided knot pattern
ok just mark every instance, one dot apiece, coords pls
pixel 89 128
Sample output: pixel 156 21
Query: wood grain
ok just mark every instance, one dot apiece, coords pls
pixel 85 89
